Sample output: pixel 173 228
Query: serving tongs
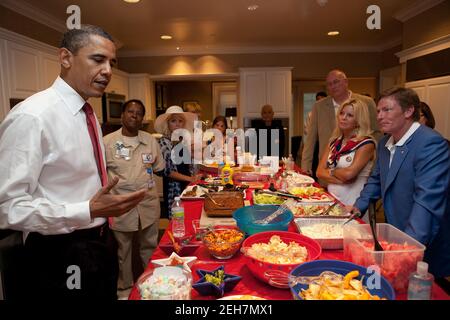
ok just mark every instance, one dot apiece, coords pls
pixel 373 226
pixel 281 209
pixel 280 194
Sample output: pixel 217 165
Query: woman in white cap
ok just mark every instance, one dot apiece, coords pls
pixel 176 176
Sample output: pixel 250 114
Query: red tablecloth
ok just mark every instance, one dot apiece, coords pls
pixel 249 285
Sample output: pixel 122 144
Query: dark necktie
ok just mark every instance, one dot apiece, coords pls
pixel 93 134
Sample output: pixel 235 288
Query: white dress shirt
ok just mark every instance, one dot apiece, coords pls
pixel 391 146
pixel 48 171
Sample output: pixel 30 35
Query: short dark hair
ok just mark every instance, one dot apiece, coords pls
pixel 75 39
pixel 405 97
pixel 321 94
pixel 426 111
pixel 137 101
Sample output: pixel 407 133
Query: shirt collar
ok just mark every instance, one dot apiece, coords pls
pixel 70 97
pixel 140 136
pixel 390 143
pixel 336 105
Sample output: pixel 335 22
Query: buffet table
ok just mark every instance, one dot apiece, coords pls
pixel 249 285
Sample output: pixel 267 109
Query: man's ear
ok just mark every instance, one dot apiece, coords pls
pixel 409 112
pixel 65 58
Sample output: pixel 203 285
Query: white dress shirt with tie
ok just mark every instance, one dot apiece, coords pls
pixel 48 171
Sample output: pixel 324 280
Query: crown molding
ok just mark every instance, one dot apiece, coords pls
pixel 34 13
pixel 415 9
pixel 424 49
pixel 26 41
pixel 250 50
pixel 199 76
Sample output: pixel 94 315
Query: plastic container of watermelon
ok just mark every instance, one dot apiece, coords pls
pixel 396 262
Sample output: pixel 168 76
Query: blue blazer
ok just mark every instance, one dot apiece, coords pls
pixel 415 193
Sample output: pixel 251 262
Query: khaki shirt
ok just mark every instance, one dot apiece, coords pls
pixel 133 176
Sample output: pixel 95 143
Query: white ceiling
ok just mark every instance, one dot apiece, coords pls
pixel 227 26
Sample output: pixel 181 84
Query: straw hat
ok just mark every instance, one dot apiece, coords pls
pixel 161 125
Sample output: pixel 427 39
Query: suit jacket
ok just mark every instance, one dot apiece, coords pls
pixel 415 193
pixel 323 122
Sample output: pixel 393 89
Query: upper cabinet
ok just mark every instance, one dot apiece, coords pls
pixel 260 86
pixel 142 88
pixel 119 83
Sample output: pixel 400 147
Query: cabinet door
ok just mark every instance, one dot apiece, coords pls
pixel 50 69
pixel 439 102
pixel 253 93
pixel 23 70
pixel 279 89
pixel 118 83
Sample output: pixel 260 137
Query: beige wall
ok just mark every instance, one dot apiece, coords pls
pixel 306 65
pixel 200 91
pixel 20 24
pixel 427 26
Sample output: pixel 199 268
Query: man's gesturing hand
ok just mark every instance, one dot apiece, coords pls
pixel 104 204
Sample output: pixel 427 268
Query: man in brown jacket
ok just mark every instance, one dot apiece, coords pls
pixel 323 116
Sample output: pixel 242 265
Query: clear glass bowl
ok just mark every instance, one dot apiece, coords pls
pixel 165 283
pixel 223 243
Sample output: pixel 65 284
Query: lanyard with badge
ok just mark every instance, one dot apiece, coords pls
pixel 147 160
pixel 121 151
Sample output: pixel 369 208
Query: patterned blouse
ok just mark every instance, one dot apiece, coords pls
pixel 172 188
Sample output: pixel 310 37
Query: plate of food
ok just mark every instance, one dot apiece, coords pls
pixel 311 194
pixel 298 179
pixel 319 209
pixel 193 193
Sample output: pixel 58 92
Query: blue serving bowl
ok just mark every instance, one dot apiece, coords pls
pixel 245 219
pixel 205 288
pixel 315 268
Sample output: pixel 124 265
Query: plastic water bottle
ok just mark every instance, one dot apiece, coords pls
pixel 290 163
pixel 420 283
pixel 178 228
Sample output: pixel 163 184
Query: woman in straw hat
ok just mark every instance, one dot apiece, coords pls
pixel 176 176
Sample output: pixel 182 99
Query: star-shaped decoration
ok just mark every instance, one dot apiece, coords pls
pixel 175 260
pixel 208 288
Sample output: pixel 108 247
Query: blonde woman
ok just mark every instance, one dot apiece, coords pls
pixel 348 163
pixel 176 176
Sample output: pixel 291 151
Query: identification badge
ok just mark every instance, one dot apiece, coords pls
pixel 121 151
pixel 147 158
pixel 150 181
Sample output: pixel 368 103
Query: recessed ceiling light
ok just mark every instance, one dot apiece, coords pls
pixel 333 33
pixel 253 7
pixel 132 1
pixel 166 37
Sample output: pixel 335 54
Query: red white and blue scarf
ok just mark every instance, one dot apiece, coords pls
pixel 337 150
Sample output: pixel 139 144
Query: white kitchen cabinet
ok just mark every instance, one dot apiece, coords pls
pixel 260 86
pixel 141 87
pixel 23 68
pixel 118 83
pixel 51 68
pixel 436 93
